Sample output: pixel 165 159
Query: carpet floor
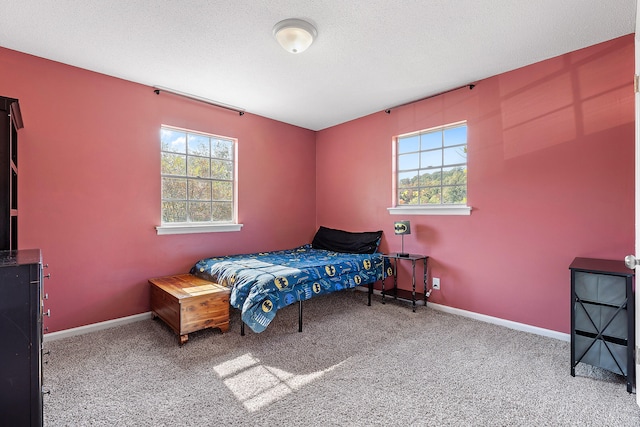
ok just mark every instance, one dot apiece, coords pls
pixel 353 365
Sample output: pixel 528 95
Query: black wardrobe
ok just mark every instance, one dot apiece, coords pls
pixel 21 295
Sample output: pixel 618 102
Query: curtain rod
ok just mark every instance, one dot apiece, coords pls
pixel 470 86
pixel 158 89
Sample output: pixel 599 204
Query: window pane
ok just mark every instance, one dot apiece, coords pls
pixel 198 166
pixel 222 149
pixel 455 176
pixel 174 164
pixel 200 211
pixel 199 189
pixel 198 145
pixel 407 196
pixel 174 211
pixel 455 136
pixel 429 159
pixel 408 161
pixel 222 211
pixel 221 169
pixel 406 179
pixel 454 195
pixel 173 188
pixel 222 190
pixel 173 140
pixel 430 177
pixel 408 144
pixel 455 155
pixel 431 140
pixel 430 195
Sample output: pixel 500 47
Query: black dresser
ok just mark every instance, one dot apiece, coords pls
pixel 602 316
pixel 21 336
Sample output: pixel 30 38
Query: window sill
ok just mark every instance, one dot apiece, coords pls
pixel 431 210
pixel 196 228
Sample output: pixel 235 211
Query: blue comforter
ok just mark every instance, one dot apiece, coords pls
pixel 262 283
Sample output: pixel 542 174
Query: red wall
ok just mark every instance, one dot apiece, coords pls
pixel 89 186
pixel 550 177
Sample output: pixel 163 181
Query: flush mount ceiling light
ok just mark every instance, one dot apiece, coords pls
pixel 294 35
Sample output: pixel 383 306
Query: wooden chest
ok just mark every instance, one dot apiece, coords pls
pixel 188 303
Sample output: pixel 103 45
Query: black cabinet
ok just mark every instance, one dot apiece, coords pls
pixel 21 337
pixel 602 316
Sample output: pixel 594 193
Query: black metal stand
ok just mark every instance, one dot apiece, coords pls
pixel 299 318
pixel 370 292
pixel 400 292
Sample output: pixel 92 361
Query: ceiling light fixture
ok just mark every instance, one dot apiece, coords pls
pixel 294 35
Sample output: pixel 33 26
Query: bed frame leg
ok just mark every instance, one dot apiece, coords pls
pixel 242 329
pixel 370 292
pixel 300 316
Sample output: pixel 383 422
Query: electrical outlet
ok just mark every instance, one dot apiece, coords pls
pixel 436 283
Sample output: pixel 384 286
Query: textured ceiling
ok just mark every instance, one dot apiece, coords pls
pixel 369 54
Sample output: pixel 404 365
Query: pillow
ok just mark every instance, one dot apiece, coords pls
pixel 344 241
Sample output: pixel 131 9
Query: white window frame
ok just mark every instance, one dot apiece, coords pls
pixel 204 226
pixel 426 209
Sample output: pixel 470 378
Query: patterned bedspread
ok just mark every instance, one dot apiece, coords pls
pixel 262 283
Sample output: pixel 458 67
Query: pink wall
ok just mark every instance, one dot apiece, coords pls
pixel 89 186
pixel 550 177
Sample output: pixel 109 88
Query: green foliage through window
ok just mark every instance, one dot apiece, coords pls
pixel 432 166
pixel 197 172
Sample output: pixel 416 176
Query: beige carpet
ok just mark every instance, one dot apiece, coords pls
pixel 352 365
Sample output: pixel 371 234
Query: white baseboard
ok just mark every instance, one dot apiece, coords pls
pixel 470 314
pixel 490 319
pixel 95 327
pixel 502 322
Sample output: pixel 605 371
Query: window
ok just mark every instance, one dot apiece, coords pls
pixel 198 180
pixel 431 167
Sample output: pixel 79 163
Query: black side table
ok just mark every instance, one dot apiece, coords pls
pixel 410 295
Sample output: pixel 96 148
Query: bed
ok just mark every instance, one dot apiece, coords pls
pixel 262 283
